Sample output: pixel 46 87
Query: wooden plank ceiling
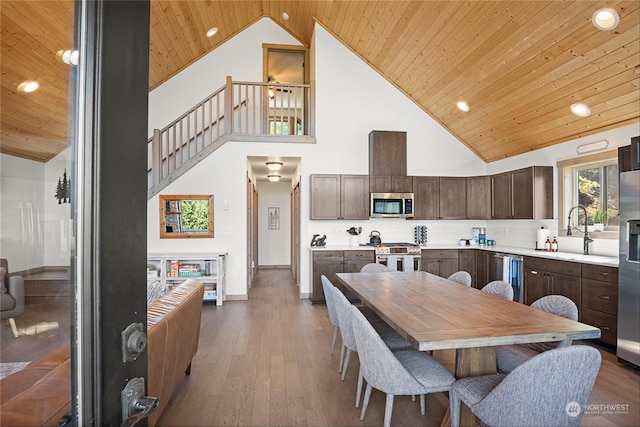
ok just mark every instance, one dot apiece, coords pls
pixel 518 64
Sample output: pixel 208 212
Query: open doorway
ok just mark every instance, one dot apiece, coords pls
pixel 286 65
pixel 273 214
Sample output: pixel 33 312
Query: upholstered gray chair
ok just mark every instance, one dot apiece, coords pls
pixel 511 356
pixel 374 267
pixel 551 389
pixel 499 288
pixel 461 277
pixel 331 308
pixel 11 296
pixel 405 372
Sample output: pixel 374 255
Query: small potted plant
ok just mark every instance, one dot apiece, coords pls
pixel 598 219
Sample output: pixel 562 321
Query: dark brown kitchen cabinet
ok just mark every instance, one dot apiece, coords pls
pixel 467 262
pixel 479 197
pixel 329 263
pixel 544 277
pixel 441 262
pixel 390 184
pixel 523 194
pixel 453 198
pixel 426 197
pixel 387 153
pixel 339 197
pixel 600 300
pixel 485 269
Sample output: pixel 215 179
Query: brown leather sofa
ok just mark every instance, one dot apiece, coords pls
pixel 40 394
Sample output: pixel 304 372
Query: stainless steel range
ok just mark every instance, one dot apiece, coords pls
pixel 399 256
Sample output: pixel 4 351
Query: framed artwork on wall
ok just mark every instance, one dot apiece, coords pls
pixel 274 218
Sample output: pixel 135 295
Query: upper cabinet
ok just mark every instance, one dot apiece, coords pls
pixel 388 162
pixel 439 197
pixel 523 194
pixel 478 197
pixel 339 197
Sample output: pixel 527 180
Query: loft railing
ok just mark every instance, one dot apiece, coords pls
pixel 238 111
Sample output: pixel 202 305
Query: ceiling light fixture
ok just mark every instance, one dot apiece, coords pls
pixel 274 166
pixel 592 146
pixel 28 86
pixel 580 110
pixel 212 31
pixel 605 19
pixel 69 57
pixel 285 16
pixel 463 106
pixel 273 178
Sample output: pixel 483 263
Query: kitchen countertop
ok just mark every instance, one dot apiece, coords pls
pixel 609 261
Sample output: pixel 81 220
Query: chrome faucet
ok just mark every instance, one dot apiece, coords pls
pixel 586 239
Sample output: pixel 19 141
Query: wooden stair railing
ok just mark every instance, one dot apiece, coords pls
pixel 238 111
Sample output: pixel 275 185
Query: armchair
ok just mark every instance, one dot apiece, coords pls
pixel 11 296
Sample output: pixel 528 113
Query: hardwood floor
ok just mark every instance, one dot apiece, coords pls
pixel 266 361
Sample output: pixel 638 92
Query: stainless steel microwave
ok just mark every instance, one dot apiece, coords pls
pixel 391 205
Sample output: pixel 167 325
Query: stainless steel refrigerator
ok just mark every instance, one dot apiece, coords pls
pixel 629 269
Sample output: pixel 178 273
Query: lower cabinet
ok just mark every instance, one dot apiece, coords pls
pixel 600 300
pixel 329 263
pixel 467 262
pixel 544 277
pixel 442 263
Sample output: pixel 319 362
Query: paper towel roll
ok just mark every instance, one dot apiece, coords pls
pixel 541 237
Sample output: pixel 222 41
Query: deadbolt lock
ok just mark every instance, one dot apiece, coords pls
pixel 134 341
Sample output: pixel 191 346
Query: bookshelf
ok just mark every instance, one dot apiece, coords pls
pixel 207 268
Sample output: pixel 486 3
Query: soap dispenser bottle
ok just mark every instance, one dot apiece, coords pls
pixel 554 245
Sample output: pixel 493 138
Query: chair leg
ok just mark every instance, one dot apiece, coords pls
pixel 14 328
pixel 422 406
pixel 335 337
pixel 359 390
pixel 365 403
pixel 342 350
pixel 346 364
pixel 388 409
pixel 454 409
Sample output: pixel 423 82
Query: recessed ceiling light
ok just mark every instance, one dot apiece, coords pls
pixel 212 31
pixel 463 106
pixel 69 57
pixel 605 19
pixel 580 110
pixel 28 86
pixel 285 16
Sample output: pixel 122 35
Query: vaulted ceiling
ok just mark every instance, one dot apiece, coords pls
pixel 518 64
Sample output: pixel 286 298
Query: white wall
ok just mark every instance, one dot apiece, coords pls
pixel 274 246
pixel 57 218
pixel 22 185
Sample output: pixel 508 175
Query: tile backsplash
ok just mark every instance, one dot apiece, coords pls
pixel 516 233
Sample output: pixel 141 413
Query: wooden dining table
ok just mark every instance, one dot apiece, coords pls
pixel 434 313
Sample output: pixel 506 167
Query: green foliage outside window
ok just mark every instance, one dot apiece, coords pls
pixel 195 215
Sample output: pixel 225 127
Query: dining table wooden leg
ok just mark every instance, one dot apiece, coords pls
pixel 472 362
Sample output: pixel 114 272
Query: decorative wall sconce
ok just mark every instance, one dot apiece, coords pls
pixel 63 189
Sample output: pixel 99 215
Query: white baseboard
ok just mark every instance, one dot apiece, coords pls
pixel 243 297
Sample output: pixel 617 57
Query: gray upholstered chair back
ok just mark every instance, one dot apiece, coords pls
pixel 461 277
pixel 11 296
pixel 551 389
pixel 379 366
pixel 374 267
pixel 499 288
pixel 343 309
pixel 556 304
pixel 331 308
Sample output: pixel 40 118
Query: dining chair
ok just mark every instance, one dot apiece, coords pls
pixel 511 356
pixel 331 308
pixel 461 277
pixel 405 372
pixel 374 267
pixel 499 288
pixel 551 389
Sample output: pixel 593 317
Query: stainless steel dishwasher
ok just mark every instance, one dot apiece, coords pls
pixel 510 268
